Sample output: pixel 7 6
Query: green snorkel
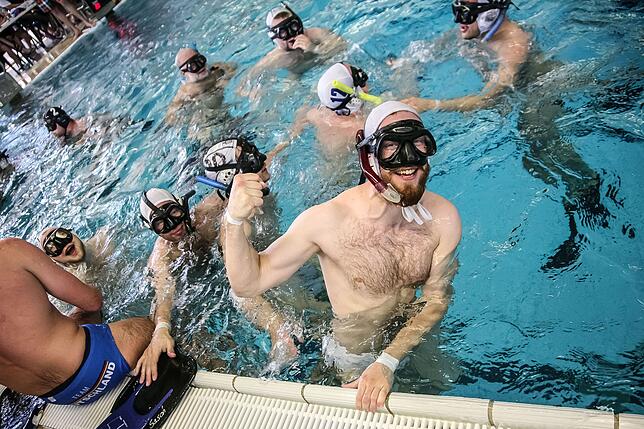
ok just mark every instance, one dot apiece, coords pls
pixel 374 99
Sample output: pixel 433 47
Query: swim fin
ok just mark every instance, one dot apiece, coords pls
pixel 141 407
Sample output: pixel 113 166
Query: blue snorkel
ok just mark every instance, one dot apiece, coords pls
pixel 495 26
pixel 215 184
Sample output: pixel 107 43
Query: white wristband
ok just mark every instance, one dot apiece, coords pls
pixel 162 325
pixel 388 360
pixel 231 220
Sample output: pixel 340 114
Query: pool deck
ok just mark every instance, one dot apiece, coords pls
pixel 229 401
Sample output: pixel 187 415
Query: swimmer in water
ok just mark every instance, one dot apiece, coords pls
pixel 202 85
pixel 340 114
pixel 91 127
pixel 548 156
pixel 183 233
pixel 380 244
pixel 297 48
pixel 84 259
pixel 64 359
pixel 63 126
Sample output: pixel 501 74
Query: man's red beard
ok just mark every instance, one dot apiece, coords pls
pixel 411 192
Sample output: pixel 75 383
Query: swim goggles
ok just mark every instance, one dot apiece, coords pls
pixel 56 240
pixel 194 64
pixel 56 116
pixel 466 12
pixel 166 218
pixel 401 144
pixel 288 28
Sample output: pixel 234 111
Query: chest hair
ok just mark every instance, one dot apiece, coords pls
pixel 382 262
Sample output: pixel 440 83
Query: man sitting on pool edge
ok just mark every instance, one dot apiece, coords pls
pixel 366 284
pixel 63 359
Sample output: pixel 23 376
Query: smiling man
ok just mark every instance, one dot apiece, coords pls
pixel 380 245
pixel 83 259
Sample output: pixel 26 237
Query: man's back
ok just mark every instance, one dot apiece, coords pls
pixel 39 347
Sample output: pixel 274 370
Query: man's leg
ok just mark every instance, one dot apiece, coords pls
pixel 132 336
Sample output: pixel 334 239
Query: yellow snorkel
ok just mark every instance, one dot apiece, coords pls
pixel 361 95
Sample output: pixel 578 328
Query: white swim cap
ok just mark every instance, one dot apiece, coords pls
pixel 330 96
pixel 273 13
pixel 157 197
pixel 219 155
pixel 379 114
pixel 486 19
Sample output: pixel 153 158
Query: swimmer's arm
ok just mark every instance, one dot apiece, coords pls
pixel 327 42
pixel 251 273
pixel 55 280
pixel 164 286
pixel 269 61
pixel 510 61
pixel 437 291
pixel 301 120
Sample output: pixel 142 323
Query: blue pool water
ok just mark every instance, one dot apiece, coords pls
pixel 528 323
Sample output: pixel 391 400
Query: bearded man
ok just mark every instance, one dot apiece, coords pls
pixel 386 249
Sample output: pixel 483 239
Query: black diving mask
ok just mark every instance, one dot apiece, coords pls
pixel 56 240
pixel 56 116
pixel 402 144
pixel 289 27
pixel 466 12
pixel 167 217
pixel 359 76
pixel 194 64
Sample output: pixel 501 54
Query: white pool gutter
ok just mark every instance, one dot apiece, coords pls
pixel 235 402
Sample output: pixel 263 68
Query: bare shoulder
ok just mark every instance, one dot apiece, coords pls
pixel 12 248
pixel 445 216
pixel 317 33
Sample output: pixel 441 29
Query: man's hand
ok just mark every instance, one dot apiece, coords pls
pixel 283 349
pixel 374 384
pixel 421 104
pixel 161 342
pixel 304 43
pixel 245 196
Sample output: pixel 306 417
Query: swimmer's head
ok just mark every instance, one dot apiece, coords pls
pixel 398 147
pixel 335 99
pixel 62 245
pixel 57 120
pixel 236 155
pixel 191 64
pixel 165 214
pixel 477 17
pixel 284 26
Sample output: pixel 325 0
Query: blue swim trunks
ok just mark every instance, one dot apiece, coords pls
pixel 102 369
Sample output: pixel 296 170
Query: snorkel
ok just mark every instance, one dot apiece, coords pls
pixel 387 190
pixel 497 23
pixel 373 99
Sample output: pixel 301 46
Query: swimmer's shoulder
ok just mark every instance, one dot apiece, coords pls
pixel 443 211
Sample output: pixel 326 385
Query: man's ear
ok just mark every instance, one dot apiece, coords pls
pixel 359 136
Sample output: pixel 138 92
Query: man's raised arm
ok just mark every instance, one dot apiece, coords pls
pixel 251 273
